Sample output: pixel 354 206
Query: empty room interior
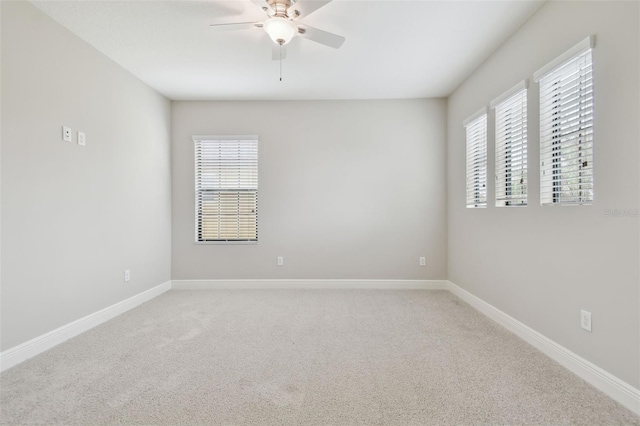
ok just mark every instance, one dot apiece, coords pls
pixel 320 212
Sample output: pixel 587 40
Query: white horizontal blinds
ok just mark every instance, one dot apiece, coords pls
pixel 477 162
pixel 566 132
pixel 226 190
pixel 511 151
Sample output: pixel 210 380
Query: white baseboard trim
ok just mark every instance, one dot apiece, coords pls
pixel 309 284
pixel 35 346
pixel 602 380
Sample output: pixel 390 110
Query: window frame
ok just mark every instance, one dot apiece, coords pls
pixel 506 142
pixel 476 186
pixel 199 191
pixel 555 151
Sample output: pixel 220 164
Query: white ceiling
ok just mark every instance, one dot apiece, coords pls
pixel 393 49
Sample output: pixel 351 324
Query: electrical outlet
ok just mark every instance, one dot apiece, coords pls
pixel 127 275
pixel 81 139
pixel 585 320
pixel 423 261
pixel 280 260
pixel 66 133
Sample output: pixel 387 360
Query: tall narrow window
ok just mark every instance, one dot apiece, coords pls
pixel 511 147
pixel 226 172
pixel 566 128
pixel 476 129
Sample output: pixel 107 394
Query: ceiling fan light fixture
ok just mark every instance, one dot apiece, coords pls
pixel 281 30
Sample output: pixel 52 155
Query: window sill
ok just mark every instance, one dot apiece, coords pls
pixel 225 242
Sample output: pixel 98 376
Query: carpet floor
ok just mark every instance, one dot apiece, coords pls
pixel 300 357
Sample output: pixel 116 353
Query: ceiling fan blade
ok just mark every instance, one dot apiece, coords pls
pixel 266 7
pixel 305 8
pixel 320 36
pixel 277 51
pixel 236 26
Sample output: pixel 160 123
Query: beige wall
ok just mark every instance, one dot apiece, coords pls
pixel 74 218
pixel 347 189
pixel 542 265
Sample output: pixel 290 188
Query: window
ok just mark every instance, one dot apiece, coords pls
pixel 226 169
pixel 511 147
pixel 476 128
pixel 566 128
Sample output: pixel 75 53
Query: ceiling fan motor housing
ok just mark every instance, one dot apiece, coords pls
pixel 280 7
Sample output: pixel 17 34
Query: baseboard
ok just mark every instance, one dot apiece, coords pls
pixel 607 383
pixel 35 346
pixel 309 284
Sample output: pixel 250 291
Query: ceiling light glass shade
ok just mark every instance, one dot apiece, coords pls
pixel 281 30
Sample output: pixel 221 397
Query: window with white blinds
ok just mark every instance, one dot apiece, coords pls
pixel 476 129
pixel 511 147
pixel 566 128
pixel 226 172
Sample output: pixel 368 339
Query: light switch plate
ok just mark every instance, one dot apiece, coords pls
pixel 81 139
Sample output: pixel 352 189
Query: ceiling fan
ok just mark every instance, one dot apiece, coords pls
pixel 282 24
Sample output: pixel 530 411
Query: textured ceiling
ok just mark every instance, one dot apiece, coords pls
pixel 393 49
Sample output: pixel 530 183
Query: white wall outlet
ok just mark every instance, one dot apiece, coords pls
pixel 280 260
pixel 81 139
pixel 127 275
pixel 423 261
pixel 66 133
pixel 585 320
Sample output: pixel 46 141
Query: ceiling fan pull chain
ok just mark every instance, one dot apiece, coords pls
pixel 280 62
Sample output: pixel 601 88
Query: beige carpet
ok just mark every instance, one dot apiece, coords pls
pixel 305 357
